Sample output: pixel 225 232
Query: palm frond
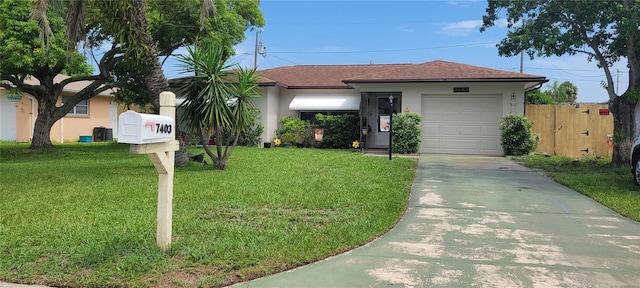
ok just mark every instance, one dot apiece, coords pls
pixel 39 14
pixel 208 9
pixel 75 21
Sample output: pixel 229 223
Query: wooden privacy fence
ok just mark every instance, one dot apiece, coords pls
pixel 572 130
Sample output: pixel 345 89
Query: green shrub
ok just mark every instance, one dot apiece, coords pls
pixel 406 133
pixel 516 137
pixel 293 130
pixel 251 137
pixel 339 130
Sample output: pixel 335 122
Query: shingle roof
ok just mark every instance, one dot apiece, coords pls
pixel 325 76
pixel 339 76
pixel 73 87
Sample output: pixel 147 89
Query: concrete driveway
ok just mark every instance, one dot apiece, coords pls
pixel 476 221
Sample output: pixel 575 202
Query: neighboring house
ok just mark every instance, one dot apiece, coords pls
pixel 18 114
pixel 461 105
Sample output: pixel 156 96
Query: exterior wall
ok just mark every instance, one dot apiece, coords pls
pixel 26 112
pixel 412 100
pixel 67 129
pixel 275 101
pixel 412 93
pixel 275 104
pixel 269 112
pixel 71 127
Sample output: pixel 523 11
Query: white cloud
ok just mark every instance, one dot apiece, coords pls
pixel 462 28
pixel 463 3
pixel 404 29
pixel 331 48
pixel 503 23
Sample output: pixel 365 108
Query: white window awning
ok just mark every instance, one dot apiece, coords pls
pixel 325 102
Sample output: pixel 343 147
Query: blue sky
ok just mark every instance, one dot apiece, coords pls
pixel 384 32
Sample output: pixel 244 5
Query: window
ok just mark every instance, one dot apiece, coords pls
pixel 82 108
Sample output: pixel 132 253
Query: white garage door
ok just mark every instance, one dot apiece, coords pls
pixel 7 119
pixel 456 124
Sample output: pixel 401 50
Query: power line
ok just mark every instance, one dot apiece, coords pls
pixel 274 56
pixel 379 51
pixel 362 23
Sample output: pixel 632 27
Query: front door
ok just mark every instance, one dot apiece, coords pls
pixel 381 129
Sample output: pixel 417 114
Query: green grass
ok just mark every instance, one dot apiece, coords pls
pixel 613 187
pixel 84 215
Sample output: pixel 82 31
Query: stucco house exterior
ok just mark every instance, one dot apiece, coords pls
pixel 18 114
pixel 461 105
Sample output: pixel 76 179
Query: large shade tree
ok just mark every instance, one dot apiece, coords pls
pixel 136 33
pixel 218 100
pixel 605 31
pixel 29 53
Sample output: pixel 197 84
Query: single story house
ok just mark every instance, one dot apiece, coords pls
pixel 461 105
pixel 18 114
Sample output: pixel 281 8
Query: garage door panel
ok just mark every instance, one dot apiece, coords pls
pixel 490 132
pixel 471 104
pixel 489 103
pixel 431 142
pixel 471 131
pixel 450 116
pixel 430 130
pixel 461 124
pixel 490 145
pixel 448 104
pixel 471 116
pixel 431 117
pixel 449 130
pixel 490 117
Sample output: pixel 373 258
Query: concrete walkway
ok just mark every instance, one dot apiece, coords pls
pixel 486 222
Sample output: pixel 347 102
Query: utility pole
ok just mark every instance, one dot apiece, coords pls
pixel 259 49
pixel 255 52
pixel 522 54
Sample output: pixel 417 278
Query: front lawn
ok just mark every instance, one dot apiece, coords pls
pixel 84 215
pixel 613 187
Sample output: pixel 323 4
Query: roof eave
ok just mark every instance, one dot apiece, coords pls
pixel 457 80
pixel 269 84
pixel 319 87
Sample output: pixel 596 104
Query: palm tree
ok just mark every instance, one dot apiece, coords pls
pixel 570 91
pixel 217 100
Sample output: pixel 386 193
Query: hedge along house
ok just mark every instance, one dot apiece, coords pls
pixel 18 114
pixel 461 105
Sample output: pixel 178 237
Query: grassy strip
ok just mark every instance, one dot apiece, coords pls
pixel 83 215
pixel 613 187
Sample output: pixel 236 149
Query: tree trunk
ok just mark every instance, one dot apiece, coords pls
pixel 624 128
pixel 42 127
pixel 181 159
pixel 156 82
pixel 220 163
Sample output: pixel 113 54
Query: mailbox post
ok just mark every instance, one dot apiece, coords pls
pixel 154 135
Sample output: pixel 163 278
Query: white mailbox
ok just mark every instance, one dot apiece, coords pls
pixel 138 128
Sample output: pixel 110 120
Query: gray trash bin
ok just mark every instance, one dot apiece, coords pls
pixel 98 134
pixel 108 134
